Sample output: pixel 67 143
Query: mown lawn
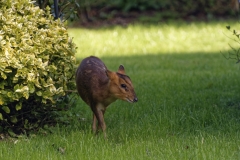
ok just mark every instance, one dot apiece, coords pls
pixel 188 108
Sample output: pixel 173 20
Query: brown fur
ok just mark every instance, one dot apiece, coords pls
pixel 99 87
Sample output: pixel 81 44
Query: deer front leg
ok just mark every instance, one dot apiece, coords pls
pixel 94 123
pixel 101 122
pixel 99 116
pixel 99 125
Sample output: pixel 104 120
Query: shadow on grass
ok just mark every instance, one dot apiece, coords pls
pixel 178 94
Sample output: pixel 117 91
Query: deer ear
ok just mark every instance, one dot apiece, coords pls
pixel 121 69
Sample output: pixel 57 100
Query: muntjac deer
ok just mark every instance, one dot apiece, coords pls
pixel 99 87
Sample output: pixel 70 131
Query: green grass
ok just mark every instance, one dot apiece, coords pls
pixel 164 38
pixel 188 93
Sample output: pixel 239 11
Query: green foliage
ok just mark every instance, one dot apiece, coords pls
pixel 67 9
pixel 182 7
pixel 127 5
pixel 235 53
pixel 37 60
pixel 167 8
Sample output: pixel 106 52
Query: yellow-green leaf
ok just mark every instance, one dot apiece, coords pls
pixel 13 119
pixel 39 93
pixel 1 117
pixel 1 101
pixel 6 109
pixel 18 106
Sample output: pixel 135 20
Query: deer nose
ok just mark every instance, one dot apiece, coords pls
pixel 135 99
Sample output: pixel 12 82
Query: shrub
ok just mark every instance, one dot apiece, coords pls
pixel 37 60
pixel 182 7
pixel 90 10
pixel 165 8
pixel 67 9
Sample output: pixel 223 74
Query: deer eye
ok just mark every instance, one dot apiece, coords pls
pixel 123 85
